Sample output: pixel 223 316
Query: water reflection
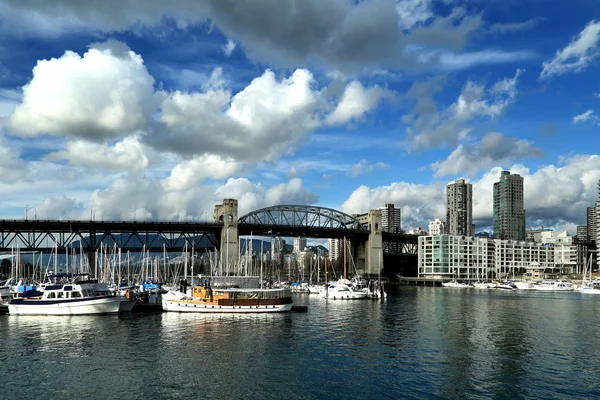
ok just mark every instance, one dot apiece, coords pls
pixel 420 342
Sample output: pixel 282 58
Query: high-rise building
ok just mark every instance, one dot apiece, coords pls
pixel 437 227
pixel 509 210
pixel 335 249
pixel 582 233
pixel 278 244
pixel 299 244
pixel 598 225
pixel 459 208
pixel 391 218
pixel 591 224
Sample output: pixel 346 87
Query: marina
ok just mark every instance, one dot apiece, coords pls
pixel 419 342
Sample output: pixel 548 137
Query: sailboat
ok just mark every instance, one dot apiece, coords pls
pixel 341 290
pixel 589 286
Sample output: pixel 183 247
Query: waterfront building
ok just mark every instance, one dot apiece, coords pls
pixel 391 218
pixel 535 235
pixel 459 208
pixel 509 211
pixel 582 233
pixel 591 224
pixel 437 227
pixel 455 257
pixel 299 244
pixel 474 258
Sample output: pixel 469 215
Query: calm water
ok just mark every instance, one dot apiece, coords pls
pixel 420 343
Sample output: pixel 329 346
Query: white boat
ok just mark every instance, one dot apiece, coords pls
pixel 524 285
pixel 65 299
pixel 342 291
pixel 552 285
pixel 508 285
pixel 454 284
pixel 589 286
pixel 484 285
pixel 316 289
pixel 227 299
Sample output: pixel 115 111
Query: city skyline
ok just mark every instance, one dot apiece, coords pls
pixel 162 111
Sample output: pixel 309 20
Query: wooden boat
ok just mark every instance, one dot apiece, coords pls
pixel 207 299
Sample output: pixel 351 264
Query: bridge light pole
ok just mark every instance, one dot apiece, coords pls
pixel 26 210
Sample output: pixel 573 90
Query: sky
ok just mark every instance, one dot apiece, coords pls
pixel 154 110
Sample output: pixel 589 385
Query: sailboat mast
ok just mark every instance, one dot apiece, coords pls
pixel 344 258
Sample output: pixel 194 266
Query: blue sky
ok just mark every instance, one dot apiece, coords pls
pixel 154 111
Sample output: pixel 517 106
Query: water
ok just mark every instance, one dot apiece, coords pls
pixel 420 343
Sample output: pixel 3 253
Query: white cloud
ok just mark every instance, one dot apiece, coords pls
pixel 363 167
pixel 57 207
pixel 355 102
pixel 587 116
pixel 228 47
pixel 428 128
pixel 494 149
pixel 453 61
pixel 263 121
pixel 577 178
pixel 189 172
pixel 413 12
pixel 102 95
pixel 578 54
pixel 125 155
pixel 515 26
pixel 8 102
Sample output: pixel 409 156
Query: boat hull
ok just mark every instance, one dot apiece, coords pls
pixel 105 305
pixel 200 307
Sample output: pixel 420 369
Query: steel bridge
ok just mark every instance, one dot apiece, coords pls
pixel 283 220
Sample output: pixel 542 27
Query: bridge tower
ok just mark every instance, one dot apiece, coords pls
pixel 374 245
pixel 227 213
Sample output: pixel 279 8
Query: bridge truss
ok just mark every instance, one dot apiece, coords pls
pixel 47 235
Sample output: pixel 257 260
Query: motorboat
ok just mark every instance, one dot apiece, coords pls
pixel 524 285
pixel 66 298
pixel 552 285
pixel 342 291
pixel 455 284
pixel 508 285
pixel 208 299
pixel 483 285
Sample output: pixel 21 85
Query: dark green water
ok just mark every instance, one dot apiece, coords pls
pixel 420 343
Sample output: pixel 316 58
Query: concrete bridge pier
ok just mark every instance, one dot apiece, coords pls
pixel 227 213
pixel 368 255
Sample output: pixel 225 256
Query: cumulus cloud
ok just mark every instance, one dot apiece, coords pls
pixel 100 96
pixel 125 155
pixel 261 122
pixel 189 172
pixel 355 102
pixel 429 127
pixel 494 149
pixel 419 203
pixel 578 54
pixel 577 178
pixel 58 207
pixel 587 116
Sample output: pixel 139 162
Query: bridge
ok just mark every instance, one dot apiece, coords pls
pixel 369 242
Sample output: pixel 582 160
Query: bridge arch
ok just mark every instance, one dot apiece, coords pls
pixel 301 216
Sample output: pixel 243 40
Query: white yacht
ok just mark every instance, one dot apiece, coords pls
pixel 454 284
pixel 70 298
pixel 342 291
pixel 484 285
pixel 551 285
pixel 592 287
